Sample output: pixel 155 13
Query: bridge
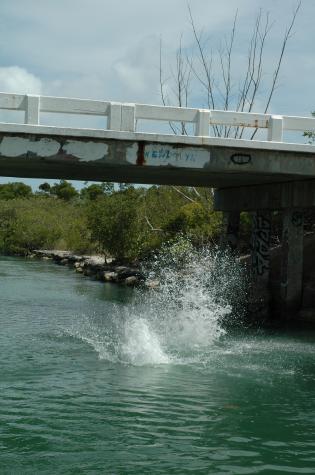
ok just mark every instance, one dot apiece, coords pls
pixel 259 175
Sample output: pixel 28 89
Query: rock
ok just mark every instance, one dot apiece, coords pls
pixel 88 271
pixel 96 266
pixel 152 284
pixel 121 269
pixel 74 258
pixel 132 280
pixel 110 276
pixel 59 255
pixel 95 260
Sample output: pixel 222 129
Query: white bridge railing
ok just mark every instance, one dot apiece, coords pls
pixel 124 116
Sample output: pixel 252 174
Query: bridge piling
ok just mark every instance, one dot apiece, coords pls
pixel 230 230
pixel 259 295
pixel 283 294
pixel 291 262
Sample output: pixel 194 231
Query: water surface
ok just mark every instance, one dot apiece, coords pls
pixel 93 381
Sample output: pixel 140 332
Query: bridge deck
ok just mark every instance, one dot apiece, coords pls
pixel 37 151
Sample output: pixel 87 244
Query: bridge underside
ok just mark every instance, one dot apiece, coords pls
pixel 145 159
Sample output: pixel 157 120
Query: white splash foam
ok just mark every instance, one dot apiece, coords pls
pixel 142 345
pixel 181 321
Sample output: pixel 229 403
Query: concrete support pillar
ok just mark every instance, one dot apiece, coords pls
pixel 230 231
pixel 292 262
pixel 259 297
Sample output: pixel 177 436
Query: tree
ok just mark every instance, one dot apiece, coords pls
pixel 94 191
pixel 42 222
pixel 64 190
pixel 124 186
pixel 196 222
pixel 114 223
pixel 10 191
pixel 45 187
pixel 210 70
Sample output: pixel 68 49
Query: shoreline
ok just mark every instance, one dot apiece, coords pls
pixel 94 266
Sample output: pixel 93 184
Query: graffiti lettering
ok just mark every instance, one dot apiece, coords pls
pixel 260 243
pixel 241 159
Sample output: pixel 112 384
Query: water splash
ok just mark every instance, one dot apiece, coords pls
pixel 180 320
pixel 142 344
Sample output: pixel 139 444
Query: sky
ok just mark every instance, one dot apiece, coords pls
pixel 110 49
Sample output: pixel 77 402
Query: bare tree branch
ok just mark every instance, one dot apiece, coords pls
pixel 150 225
pixel 286 38
pixel 184 195
pixel 214 72
pixel 162 85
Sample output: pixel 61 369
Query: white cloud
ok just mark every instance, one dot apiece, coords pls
pixel 109 49
pixel 18 80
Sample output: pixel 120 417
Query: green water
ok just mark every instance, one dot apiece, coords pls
pixel 76 399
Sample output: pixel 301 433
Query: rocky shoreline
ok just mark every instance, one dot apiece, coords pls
pixel 95 267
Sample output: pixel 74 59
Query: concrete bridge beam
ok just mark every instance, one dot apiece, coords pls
pixel 280 196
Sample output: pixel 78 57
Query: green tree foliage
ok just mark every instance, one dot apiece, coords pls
pixel 64 190
pixel 114 223
pixel 41 223
pixel 126 223
pixel 133 222
pixel 183 210
pixel 45 187
pixel 10 191
pixel 196 222
pixel 95 191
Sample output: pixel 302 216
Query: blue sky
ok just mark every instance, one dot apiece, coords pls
pixel 109 49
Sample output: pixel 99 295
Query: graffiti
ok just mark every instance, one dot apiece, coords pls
pixel 168 155
pixel 241 159
pixel 260 243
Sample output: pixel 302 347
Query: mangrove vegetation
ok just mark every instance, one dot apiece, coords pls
pixel 122 221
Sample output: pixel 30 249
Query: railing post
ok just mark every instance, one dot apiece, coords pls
pixel 128 115
pixel 32 109
pixel 275 128
pixel 114 116
pixel 202 123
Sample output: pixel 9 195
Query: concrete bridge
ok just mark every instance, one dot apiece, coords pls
pixel 260 175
